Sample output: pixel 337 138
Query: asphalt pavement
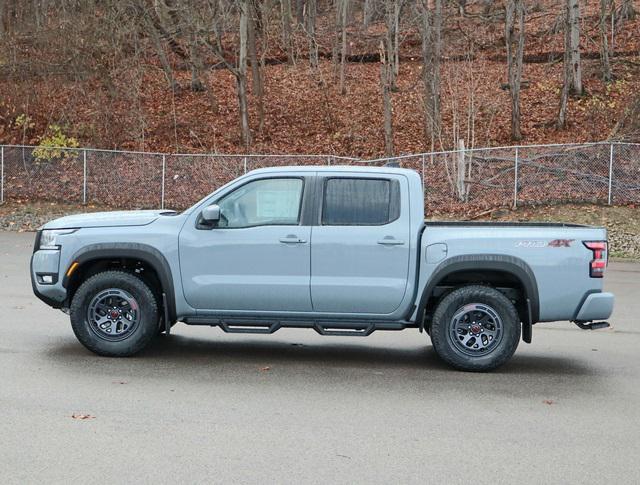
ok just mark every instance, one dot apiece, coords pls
pixel 201 406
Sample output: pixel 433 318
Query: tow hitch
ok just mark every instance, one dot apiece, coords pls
pixel 592 325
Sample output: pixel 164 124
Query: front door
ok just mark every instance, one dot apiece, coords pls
pixel 360 250
pixel 258 256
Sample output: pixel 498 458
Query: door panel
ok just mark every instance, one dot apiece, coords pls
pixel 247 269
pixel 257 256
pixel 361 268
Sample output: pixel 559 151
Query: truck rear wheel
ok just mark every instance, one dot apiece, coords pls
pixel 114 314
pixel 475 328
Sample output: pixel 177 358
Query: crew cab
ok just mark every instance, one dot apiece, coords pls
pixel 342 250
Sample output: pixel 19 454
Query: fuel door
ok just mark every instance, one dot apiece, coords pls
pixel 436 252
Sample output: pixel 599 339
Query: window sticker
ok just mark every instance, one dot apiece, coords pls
pixel 277 204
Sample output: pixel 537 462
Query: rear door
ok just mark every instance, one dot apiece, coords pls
pixel 360 249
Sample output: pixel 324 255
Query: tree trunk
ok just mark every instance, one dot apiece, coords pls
pixel 392 23
pixel 567 76
pixel 515 49
pixel 300 5
pixel 370 12
pixel 311 12
pixel 256 74
pixel 344 7
pixel 573 23
pixel 3 10
pixel 386 81
pixel 38 12
pixel 604 41
pixel 627 11
pixel 241 74
pixel 285 13
pixel 196 63
pixel 367 13
pixel 396 40
pixel 430 15
pixel 164 60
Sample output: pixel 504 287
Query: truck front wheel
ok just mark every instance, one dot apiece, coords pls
pixel 475 328
pixel 114 314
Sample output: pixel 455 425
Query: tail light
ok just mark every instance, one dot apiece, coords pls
pixel 600 258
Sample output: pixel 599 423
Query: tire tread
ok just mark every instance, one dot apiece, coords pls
pixel 475 294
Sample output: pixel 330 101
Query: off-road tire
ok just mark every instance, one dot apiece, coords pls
pixel 147 325
pixel 442 322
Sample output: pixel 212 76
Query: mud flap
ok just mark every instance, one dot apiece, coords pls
pixel 527 326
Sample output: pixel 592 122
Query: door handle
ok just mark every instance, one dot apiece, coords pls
pixel 292 239
pixel 390 241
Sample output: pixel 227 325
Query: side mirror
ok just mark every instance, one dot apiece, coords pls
pixel 211 214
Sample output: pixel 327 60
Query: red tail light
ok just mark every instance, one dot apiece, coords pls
pixel 600 258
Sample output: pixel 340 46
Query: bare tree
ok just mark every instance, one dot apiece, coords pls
pixel 393 9
pixel 300 6
pixel 567 75
pixel 386 83
pixel 310 15
pixel 241 73
pixel 256 72
pixel 627 11
pixel 287 39
pixel 342 7
pixel 162 55
pixel 430 15
pixel 220 15
pixel 573 26
pixel 604 41
pixel 514 19
pixel 572 73
pixel 371 12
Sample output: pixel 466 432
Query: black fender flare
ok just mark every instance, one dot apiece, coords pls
pixel 142 252
pixel 488 262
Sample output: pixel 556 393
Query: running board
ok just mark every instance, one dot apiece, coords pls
pixel 328 328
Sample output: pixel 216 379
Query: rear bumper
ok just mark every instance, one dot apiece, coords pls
pixel 596 306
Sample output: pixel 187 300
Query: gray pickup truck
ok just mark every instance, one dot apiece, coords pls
pixel 342 250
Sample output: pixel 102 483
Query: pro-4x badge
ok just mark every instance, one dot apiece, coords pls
pixel 560 243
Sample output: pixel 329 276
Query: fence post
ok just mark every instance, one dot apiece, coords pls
pixel 424 187
pixel 329 161
pixel 515 179
pixel 164 172
pixel 84 177
pixel 244 160
pixel 610 172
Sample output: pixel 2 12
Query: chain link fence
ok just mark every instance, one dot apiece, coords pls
pixel 459 181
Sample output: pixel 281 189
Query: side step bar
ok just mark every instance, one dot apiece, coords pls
pixel 328 328
pixel 592 325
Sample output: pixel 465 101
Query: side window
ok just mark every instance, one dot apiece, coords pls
pixel 262 202
pixel 354 201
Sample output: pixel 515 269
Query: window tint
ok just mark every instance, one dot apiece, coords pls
pixel 262 202
pixel 351 201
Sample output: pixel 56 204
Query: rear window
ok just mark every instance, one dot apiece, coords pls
pixel 353 201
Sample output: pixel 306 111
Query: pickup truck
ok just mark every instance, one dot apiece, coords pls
pixel 342 250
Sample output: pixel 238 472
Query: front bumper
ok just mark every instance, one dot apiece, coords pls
pixel 47 262
pixel 596 306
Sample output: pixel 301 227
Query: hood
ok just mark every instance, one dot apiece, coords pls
pixel 107 219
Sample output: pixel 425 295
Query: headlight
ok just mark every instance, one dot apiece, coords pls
pixel 50 238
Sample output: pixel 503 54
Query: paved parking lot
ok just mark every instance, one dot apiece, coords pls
pixel 204 406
